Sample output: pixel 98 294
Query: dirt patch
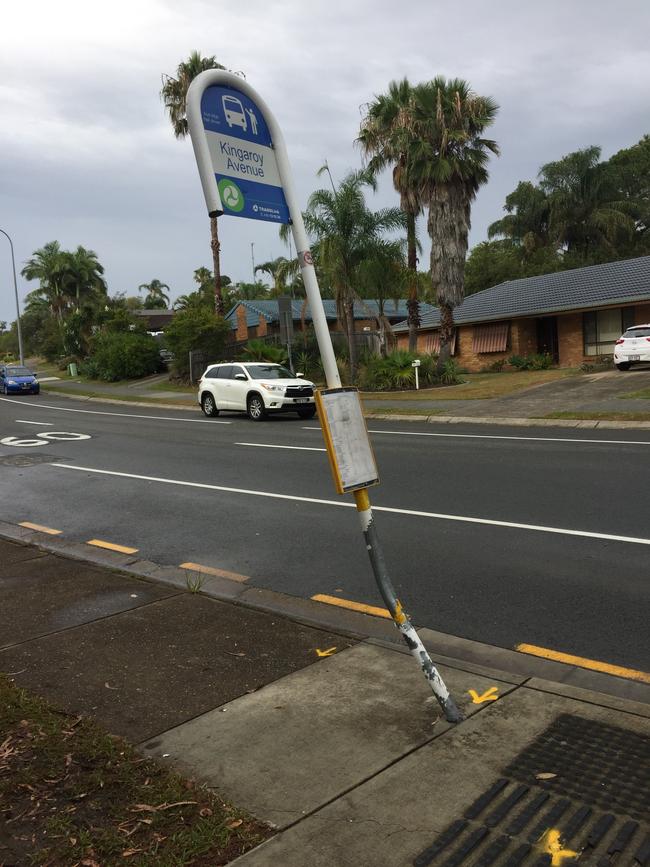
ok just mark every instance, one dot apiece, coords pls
pixel 71 794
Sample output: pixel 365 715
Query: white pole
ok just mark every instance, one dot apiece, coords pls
pixel 417 380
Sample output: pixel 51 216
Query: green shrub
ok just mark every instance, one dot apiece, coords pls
pixel 538 361
pixel 258 350
pixel 122 355
pixel 495 366
pixel 450 373
pixel 198 330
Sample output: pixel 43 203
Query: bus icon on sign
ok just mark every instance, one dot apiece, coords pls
pixel 234 112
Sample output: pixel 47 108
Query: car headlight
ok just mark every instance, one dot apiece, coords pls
pixel 269 387
pixel 11 382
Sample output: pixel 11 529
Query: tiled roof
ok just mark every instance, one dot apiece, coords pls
pixel 579 289
pixel 366 309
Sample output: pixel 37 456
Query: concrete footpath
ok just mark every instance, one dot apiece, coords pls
pixel 317 721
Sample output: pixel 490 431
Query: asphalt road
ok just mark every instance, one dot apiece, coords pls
pixel 501 535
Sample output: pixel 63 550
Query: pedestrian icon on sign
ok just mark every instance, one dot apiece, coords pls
pixel 253 120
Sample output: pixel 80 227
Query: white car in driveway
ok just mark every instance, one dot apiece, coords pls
pixel 632 347
pixel 256 388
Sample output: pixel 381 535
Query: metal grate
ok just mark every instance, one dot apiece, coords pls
pixel 595 809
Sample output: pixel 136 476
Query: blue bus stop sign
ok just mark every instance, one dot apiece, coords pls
pixel 242 156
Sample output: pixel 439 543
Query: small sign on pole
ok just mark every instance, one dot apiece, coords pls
pixel 346 439
pixel 416 366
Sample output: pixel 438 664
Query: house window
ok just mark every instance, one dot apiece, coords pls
pixel 602 328
pixel 490 338
pixel 432 344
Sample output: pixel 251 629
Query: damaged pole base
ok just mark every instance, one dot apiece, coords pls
pixel 419 651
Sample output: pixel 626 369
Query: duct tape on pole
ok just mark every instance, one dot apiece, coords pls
pixel 245 172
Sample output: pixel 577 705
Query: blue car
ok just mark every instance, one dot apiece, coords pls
pixel 15 379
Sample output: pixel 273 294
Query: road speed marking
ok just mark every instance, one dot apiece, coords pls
pixel 42 438
pixel 22 442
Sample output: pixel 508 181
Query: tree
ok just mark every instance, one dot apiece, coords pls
pixel 156 297
pixel 527 221
pixel 278 270
pixel 174 96
pixel 195 329
pixel 387 136
pixel 449 158
pixel 347 232
pixel 587 212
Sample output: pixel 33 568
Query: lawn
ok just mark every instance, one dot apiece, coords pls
pixel 70 793
pixel 477 386
pixel 643 393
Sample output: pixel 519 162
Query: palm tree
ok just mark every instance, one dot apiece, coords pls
pixel 386 137
pixel 278 270
pixel 67 279
pixel 156 297
pixel 174 96
pixel 46 266
pixel 586 209
pixel 347 232
pixel 526 222
pixel 449 158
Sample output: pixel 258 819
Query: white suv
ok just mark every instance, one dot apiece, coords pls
pixel 255 388
pixel 632 347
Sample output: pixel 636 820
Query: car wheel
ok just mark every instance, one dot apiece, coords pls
pixel 209 406
pixel 306 411
pixel 624 365
pixel 255 408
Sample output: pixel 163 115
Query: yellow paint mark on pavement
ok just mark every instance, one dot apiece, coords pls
pixel 40 528
pixel 492 694
pixel 211 570
pixel 111 546
pixel 582 662
pixel 328 652
pixel 353 606
pixel 551 844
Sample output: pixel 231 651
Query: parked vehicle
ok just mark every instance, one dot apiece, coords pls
pixel 15 379
pixel 256 388
pixel 632 347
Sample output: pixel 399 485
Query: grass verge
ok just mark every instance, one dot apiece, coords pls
pixel 107 395
pixel 396 410
pixel 602 416
pixel 71 794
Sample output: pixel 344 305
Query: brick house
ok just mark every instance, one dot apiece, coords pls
pixel 574 316
pixel 260 317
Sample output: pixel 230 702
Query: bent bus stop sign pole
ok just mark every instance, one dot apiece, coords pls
pixel 245 172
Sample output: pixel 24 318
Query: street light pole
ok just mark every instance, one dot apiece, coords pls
pixel 253 259
pixel 13 265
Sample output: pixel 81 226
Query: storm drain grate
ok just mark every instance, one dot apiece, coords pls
pixel 29 460
pixel 593 805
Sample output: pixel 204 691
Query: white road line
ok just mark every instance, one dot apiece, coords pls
pixel 413 512
pixel 39 423
pixel 273 446
pixel 121 414
pixel 412 433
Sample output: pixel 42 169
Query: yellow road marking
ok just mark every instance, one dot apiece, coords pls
pixel 353 606
pixel 551 844
pixel 328 652
pixel 111 546
pixel 210 570
pixel 582 662
pixel 492 694
pixel 40 528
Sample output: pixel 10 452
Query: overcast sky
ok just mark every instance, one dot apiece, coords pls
pixel 87 155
